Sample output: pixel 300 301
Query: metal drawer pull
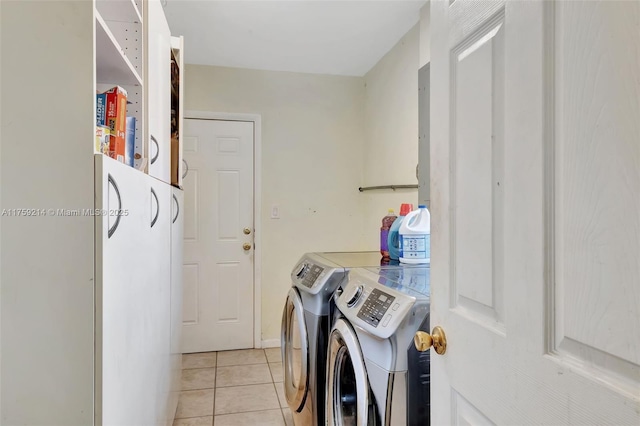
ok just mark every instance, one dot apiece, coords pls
pixel 113 183
pixel 177 208
pixel 186 168
pixel 155 219
pixel 155 157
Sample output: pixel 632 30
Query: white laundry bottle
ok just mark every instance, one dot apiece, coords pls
pixel 415 237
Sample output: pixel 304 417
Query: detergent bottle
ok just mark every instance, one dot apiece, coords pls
pixel 415 236
pixel 394 237
pixel 387 221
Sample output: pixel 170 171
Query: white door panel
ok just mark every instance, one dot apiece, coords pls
pixel 158 292
pixel 159 92
pixel 177 220
pixel 218 271
pixel 123 342
pixel 535 185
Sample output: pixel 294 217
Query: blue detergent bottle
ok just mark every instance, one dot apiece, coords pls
pixel 393 242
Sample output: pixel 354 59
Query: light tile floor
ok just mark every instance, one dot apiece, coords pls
pixel 233 388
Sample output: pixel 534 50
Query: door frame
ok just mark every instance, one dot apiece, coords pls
pixel 256 119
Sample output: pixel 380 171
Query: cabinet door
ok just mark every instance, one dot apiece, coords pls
pixel 177 235
pixel 178 167
pixel 158 294
pixel 122 318
pixel 158 81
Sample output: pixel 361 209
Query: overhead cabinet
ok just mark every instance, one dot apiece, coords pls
pixel 92 286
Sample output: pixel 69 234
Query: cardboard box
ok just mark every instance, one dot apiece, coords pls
pixel 175 161
pixel 103 134
pixel 101 109
pixel 130 141
pixel 117 121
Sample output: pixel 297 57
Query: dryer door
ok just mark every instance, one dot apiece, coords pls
pixel 349 402
pixel 295 351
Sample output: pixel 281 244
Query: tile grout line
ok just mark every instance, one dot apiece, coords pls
pixel 246 384
pixel 273 383
pixel 284 421
pixel 215 388
pixel 250 411
pixel 275 388
pixel 242 365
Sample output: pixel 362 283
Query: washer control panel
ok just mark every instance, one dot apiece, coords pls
pixel 374 308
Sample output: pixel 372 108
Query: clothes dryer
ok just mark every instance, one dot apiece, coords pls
pixel 375 376
pixel 306 327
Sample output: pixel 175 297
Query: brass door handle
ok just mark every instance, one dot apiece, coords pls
pixel 246 246
pixel 437 338
pixel 246 231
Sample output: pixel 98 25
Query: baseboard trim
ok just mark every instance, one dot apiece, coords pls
pixel 271 343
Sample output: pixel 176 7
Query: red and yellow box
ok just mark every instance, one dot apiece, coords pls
pixel 117 121
pixel 103 134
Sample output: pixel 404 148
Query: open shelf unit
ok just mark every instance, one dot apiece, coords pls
pixel 112 62
pixel 120 10
pixel 120 56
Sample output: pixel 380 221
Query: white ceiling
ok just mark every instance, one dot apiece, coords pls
pixel 345 37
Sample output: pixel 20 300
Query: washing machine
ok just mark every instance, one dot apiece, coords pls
pixel 306 327
pixel 375 375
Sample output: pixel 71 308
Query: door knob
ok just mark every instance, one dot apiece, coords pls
pixel 437 338
pixel 246 231
pixel 246 246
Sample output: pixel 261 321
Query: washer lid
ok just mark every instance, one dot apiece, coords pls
pixel 353 259
pixel 295 351
pixel 413 280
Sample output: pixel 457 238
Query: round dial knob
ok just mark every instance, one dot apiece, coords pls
pixel 356 295
pixel 301 270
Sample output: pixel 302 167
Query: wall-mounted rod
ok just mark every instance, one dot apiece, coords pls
pixel 394 187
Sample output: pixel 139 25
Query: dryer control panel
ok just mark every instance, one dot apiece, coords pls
pixel 308 273
pixel 312 275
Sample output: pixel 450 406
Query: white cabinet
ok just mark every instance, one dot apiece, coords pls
pixel 135 366
pixel 177 235
pixel 158 72
pixel 123 345
pixel 159 296
pixel 88 320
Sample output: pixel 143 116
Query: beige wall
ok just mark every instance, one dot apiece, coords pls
pixel 425 34
pixel 312 148
pixel 322 138
pixel 391 132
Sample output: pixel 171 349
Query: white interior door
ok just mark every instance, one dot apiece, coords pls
pixel 535 185
pixel 218 235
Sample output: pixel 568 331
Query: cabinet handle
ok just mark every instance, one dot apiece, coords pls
pixel 155 219
pixel 155 157
pixel 186 168
pixel 112 181
pixel 177 208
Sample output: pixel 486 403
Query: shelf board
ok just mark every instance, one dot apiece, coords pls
pixel 119 10
pixel 112 65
